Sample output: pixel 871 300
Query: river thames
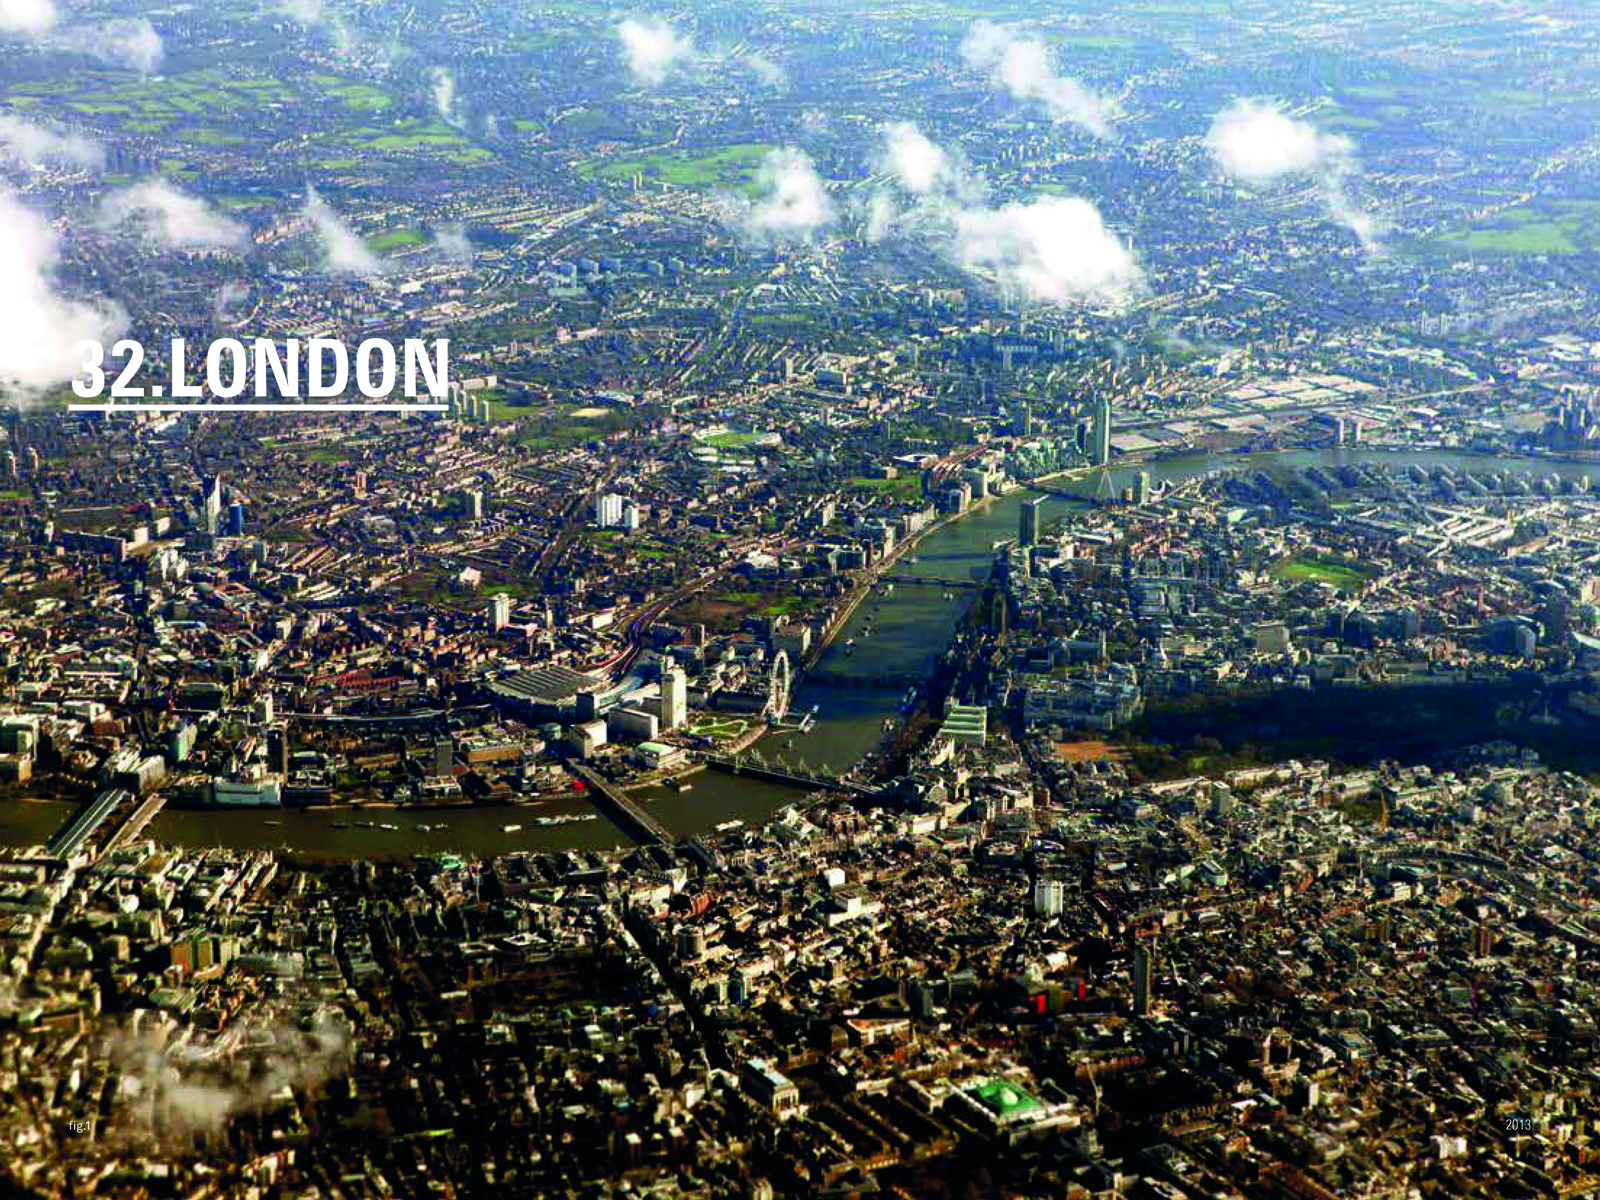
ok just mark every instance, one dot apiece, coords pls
pixel 893 635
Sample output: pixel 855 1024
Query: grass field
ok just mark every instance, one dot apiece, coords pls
pixel 210 108
pixel 1558 227
pixel 1548 227
pixel 1351 121
pixel 729 167
pixel 719 729
pixel 905 487
pixel 731 439
pixel 1090 750
pixel 1512 98
pixel 1416 722
pixel 360 97
pixel 1345 576
pixel 156 102
pixel 1092 41
pixel 566 428
pixel 760 603
pixel 1372 91
pixel 725 611
pixel 396 239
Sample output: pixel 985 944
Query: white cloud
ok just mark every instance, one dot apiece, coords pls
pixel 652 48
pixel 174 219
pixel 767 71
pixel 27 16
pixel 881 217
pixel 230 296
pixel 1369 228
pixel 38 326
pixel 923 170
pixel 921 165
pixel 344 251
pixel 1257 143
pixel 1022 65
pixel 444 96
pixel 452 242
pixel 189 1085
pixel 315 14
pixel 794 201
pixel 37 145
pixel 128 42
pixel 1057 249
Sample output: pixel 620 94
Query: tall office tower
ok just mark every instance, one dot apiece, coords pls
pixel 211 502
pixel 1030 521
pixel 1023 426
pixel 1141 488
pixel 444 753
pixel 674 697
pixel 1144 966
pixel 1101 449
pixel 500 611
pixel 474 504
pixel 608 511
pixel 278 751
pixel 1049 897
pixel 236 518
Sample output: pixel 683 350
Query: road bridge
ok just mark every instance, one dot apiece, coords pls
pixel 751 770
pixel 966 585
pixel 83 824
pixel 626 814
pixel 141 816
pixel 883 681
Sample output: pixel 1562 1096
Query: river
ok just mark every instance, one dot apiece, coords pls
pixel 909 628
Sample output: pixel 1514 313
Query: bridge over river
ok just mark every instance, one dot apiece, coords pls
pixel 843 679
pixel 629 816
pixel 812 782
pixel 938 581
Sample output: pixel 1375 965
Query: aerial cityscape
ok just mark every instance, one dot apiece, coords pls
pixel 934 601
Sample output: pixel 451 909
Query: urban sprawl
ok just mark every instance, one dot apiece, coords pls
pixel 1004 604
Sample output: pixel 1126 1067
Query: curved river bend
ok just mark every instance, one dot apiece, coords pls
pixel 908 629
